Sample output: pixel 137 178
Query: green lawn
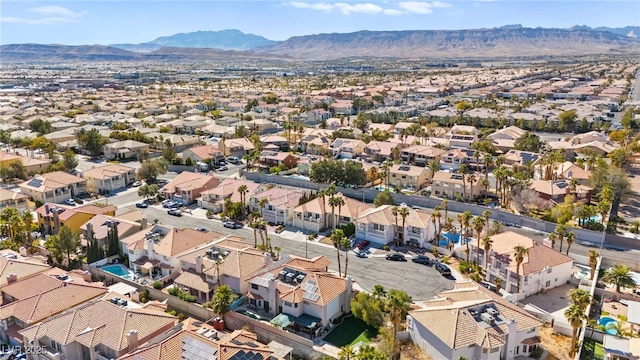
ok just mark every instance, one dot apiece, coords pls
pixel 350 332
pixel 592 350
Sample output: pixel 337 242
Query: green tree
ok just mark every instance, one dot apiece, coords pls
pixel 574 315
pixel 64 243
pixel 70 160
pixel 580 297
pixel 91 141
pixel 397 304
pixel 620 276
pixel 222 300
pixel 40 126
pixel 616 178
pixel 593 262
pixel 150 169
pixel 361 122
pixel 520 253
pixel 113 240
pixel 567 120
pixel 529 142
pixel 337 236
pixel 368 352
pixel 384 198
pixel 14 170
pixel 368 308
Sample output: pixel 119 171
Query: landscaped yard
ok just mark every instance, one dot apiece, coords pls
pixel 351 331
pixel 592 350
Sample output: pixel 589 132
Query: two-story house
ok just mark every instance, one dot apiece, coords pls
pixel 542 267
pixel 347 148
pixel 381 227
pixel 108 178
pixel 97 330
pixel 54 187
pixel 14 200
pixel 213 199
pixel 235 147
pixel 269 158
pixel 504 139
pixel 52 217
pixel 472 322
pixel 452 159
pixel 421 155
pixel 126 149
pixel 276 140
pixel 95 231
pixel 462 136
pixel 187 187
pixel 278 206
pixel 314 142
pixel 408 177
pixel 515 159
pixel 450 185
pixel 301 290
pixel 317 215
pixel 557 190
pixel 378 150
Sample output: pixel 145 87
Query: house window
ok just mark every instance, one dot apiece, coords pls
pixel 415 230
pixel 255 287
pixel 378 227
pixel 56 345
pixel 295 305
pixel 548 283
pixel 287 304
pixel 549 270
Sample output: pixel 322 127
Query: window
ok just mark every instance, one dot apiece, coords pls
pixel 287 304
pixel 295 305
pixel 533 329
pixel 56 346
pixel 548 283
pixel 549 270
pixel 378 227
pixel 255 287
pixel 415 230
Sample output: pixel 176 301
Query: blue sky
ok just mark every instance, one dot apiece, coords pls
pixel 128 21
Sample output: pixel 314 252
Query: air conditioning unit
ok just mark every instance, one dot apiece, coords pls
pixel 487 318
pixel 492 311
pixel 299 278
pixel 289 277
pixel 282 274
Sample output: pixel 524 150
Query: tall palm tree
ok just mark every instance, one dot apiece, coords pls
pixel 337 235
pixel 448 227
pixel 445 206
pixel 552 238
pixel 498 282
pixel 571 236
pixel 395 212
pixel 580 297
pixel 403 212
pixel 345 244
pixel 262 204
pixel 322 194
pixel 217 264
pixel 347 352
pixel 574 316
pixel 593 262
pixel 476 154
pixel 486 215
pixel 340 203
pixel 434 218
pixel 487 243
pixel 464 170
pixel 398 304
pixel 520 252
pixel 335 201
pixel 222 300
pixel 478 225
pixel 242 190
pixel 488 161
pixel 27 223
pixel 620 276
pixel 560 231
pixel 465 220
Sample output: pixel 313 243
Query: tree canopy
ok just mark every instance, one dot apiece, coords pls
pixel 384 198
pixel 91 141
pixel 528 142
pixel 65 242
pixel 342 173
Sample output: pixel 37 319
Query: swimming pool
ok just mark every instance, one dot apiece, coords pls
pixel 119 270
pixel 604 321
pixel 454 238
pixel 299 177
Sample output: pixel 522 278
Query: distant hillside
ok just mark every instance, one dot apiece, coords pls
pixel 223 40
pixel 508 41
pixel 58 53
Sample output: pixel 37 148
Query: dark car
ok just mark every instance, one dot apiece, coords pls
pixel 363 244
pixel 174 212
pixel 443 269
pixel 142 205
pixel 421 259
pixel 395 257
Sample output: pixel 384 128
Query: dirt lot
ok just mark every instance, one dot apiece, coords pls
pixel 556 344
pixel 411 352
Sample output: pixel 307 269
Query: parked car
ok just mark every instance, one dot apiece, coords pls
pixel 443 269
pixel 174 212
pixel 232 225
pixel 223 168
pixel 395 257
pixel 363 244
pixel 142 205
pixel 421 259
pixel 201 229
pixel 167 203
pixel 70 202
pixel 137 183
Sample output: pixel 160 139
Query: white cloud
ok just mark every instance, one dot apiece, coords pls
pixel 57 11
pixel 393 12
pixel 52 15
pixel 416 7
pixel 366 8
pixel 316 6
pixel 41 21
pixel 440 4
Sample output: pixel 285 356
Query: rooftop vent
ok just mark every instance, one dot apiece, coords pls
pixel 492 311
pixel 487 318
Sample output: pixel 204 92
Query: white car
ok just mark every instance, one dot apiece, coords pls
pixel 70 202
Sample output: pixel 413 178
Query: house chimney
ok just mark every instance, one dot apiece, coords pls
pixel 143 223
pixel 134 296
pixel 56 221
pixel 267 259
pixel 89 231
pixel 132 340
pixel 11 278
pixel 348 281
pixel 46 208
pixel 150 253
pixel 199 264
pixel 86 276
pixel 23 251
pixel 511 338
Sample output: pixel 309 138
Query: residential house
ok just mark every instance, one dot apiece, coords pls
pixel 204 153
pixel 42 305
pixel 621 348
pixel 42 282
pixel 472 322
pixel 381 227
pixel 14 200
pixel 462 136
pixel 520 159
pixel 213 199
pixel 187 187
pixel 14 267
pixel 52 217
pixel 97 330
pixel 276 140
pixel 227 261
pixel 504 139
pixel 95 231
pixel 316 215
pixel 379 150
pixel 127 149
pixel 108 178
pixel 408 177
pixel 542 267
pixel 54 187
pixel 261 125
pixel 450 185
pixel 452 159
pixel 563 171
pixel 156 252
pixel 279 205
pixel 347 148
pixel 557 190
pixel 269 158
pixel 421 155
pixel 314 142
pixel 32 165
pixel 235 147
pixel 305 162
pixel 301 290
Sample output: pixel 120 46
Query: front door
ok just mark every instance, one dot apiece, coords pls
pixel 266 306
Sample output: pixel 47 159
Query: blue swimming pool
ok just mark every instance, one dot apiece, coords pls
pixel 299 177
pixel 604 321
pixel 454 238
pixel 119 270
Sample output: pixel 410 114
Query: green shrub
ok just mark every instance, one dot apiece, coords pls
pixel 174 291
pixel 464 267
pixel 172 312
pixel 536 353
pixel 386 248
pixel 157 285
pixel 349 229
pixel 78 201
pixel 188 162
pixel 181 316
pixel 144 296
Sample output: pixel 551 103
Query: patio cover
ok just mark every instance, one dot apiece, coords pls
pixel 307 321
pixel 616 345
pixel 283 320
pixel 634 312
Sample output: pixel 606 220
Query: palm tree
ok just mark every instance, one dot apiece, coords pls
pixel 254 225
pixel 520 252
pixel 263 203
pixel 464 170
pixel 222 300
pixel 620 276
pixel 398 303
pixel 322 194
pixel 580 297
pixel 27 222
pixel 561 231
pixel 571 236
pixel 395 212
pixel 378 292
pixel 593 262
pixel 498 282
pixel 487 243
pixel 465 219
pixel 242 189
pixel 486 215
pixel 552 238
pixel 333 202
pixel 347 352
pixel 488 161
pixel 575 316
pixel 434 217
pixel 476 154
pixel 277 249
pixel 472 180
pixel 448 227
pixel 445 206
pixel 478 225
pixel 337 236
pixel 403 212
pixel 217 264
pixel 336 201
pixel 345 244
